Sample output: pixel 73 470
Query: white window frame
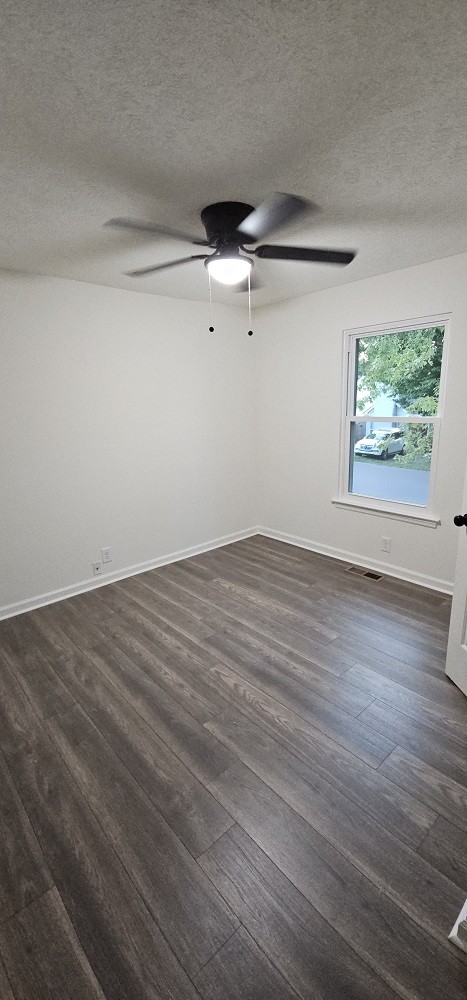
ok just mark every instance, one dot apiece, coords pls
pixel 417 513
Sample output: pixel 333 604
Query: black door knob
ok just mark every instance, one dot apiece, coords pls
pixel 460 520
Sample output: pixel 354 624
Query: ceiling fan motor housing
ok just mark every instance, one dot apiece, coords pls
pixel 222 219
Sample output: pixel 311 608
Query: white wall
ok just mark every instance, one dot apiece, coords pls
pixel 124 422
pixel 299 377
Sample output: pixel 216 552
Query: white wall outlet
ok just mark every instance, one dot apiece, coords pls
pixel 97 568
pixel 385 544
pixel 106 554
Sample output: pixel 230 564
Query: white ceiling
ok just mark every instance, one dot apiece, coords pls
pixel 155 108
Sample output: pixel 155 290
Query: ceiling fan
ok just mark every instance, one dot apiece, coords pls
pixel 229 226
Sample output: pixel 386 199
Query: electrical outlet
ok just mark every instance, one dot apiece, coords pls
pixel 106 554
pixel 97 568
pixel 385 544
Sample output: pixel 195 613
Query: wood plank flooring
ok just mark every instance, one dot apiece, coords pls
pixel 243 775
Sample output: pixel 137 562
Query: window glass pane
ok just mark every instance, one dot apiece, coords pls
pixel 390 461
pixel 398 374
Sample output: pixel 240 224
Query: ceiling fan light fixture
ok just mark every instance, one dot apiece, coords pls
pixel 229 268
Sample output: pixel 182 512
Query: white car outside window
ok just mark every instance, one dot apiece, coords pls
pixel 381 444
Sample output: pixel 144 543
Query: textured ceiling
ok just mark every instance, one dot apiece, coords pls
pixel 154 108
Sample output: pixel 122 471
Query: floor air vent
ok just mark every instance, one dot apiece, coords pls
pixel 360 571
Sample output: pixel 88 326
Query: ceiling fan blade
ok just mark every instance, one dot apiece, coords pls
pixel 152 228
pixel 140 271
pixel 311 254
pixel 274 212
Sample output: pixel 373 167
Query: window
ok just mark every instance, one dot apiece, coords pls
pixel 393 385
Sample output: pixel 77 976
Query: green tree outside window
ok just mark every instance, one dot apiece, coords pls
pixel 407 367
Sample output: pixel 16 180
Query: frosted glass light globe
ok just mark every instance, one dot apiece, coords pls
pixel 229 270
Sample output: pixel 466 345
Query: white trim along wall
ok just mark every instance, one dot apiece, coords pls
pixel 355 559
pixel 19 607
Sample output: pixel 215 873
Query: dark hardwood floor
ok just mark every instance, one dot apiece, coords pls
pixel 237 777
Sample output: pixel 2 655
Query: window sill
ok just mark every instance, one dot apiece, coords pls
pixel 379 511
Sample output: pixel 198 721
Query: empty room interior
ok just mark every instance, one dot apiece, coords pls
pixel 233 528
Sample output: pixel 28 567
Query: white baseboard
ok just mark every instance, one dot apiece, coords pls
pixel 458 934
pixel 18 608
pixel 10 610
pixel 388 569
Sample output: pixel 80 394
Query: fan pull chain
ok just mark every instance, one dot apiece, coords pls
pixel 211 328
pixel 250 331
